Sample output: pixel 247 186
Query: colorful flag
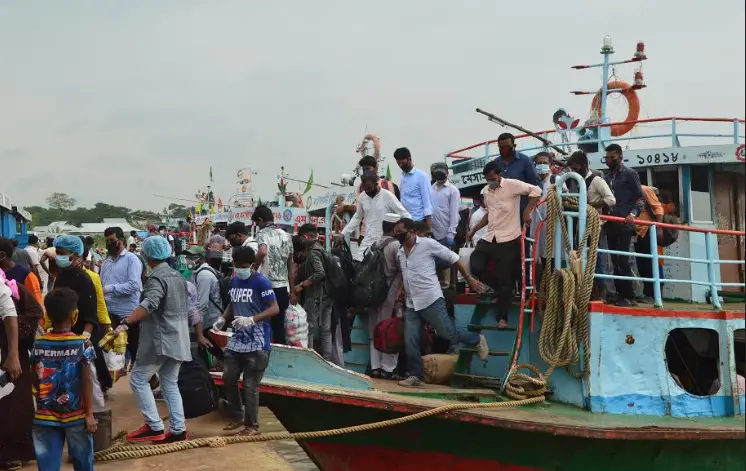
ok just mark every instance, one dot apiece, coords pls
pixel 388 172
pixel 309 184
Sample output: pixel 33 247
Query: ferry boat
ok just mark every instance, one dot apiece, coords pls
pixel 655 387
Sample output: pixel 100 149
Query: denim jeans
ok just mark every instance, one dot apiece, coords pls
pixel 168 374
pixel 436 315
pixel 251 365
pixel 49 442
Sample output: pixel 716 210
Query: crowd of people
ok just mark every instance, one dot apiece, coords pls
pixel 57 303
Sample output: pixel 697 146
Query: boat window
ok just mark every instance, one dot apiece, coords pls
pixel 701 202
pixel 739 351
pixel 693 360
pixel 666 179
pixel 643 173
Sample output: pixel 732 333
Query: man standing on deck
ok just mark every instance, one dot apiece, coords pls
pixel 414 188
pixel 501 243
pixel 445 199
pixel 625 183
pixel 237 235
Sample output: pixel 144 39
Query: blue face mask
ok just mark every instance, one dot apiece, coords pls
pixel 243 273
pixel 63 261
pixel 542 169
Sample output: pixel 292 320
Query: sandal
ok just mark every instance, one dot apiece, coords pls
pixel 233 426
pixel 249 432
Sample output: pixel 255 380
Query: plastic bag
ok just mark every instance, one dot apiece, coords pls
pixel 464 256
pixel 296 326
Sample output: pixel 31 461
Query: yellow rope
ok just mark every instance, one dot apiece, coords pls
pixel 121 451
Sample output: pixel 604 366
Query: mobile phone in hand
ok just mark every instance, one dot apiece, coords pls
pixel 4 379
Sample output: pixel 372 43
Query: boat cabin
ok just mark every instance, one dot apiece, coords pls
pixel 14 221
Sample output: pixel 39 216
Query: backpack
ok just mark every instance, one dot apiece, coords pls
pixel 669 235
pixel 388 336
pixel 224 285
pixel 196 388
pixel 337 282
pixel 370 286
pixel 178 244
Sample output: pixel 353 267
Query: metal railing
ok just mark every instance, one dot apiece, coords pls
pixel 560 253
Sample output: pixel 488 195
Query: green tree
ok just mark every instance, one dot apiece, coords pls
pixel 60 202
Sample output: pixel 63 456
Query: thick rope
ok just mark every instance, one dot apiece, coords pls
pixel 121 451
pixel 565 319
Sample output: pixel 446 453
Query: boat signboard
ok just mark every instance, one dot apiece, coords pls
pixel 693 155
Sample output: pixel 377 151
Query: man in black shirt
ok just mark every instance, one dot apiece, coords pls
pixel 625 184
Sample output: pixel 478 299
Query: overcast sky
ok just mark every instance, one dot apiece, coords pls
pixel 117 101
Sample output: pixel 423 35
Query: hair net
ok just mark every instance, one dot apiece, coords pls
pixel 156 248
pixel 71 243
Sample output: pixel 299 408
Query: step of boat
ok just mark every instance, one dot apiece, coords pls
pixel 494 353
pixel 478 327
pixel 437 391
pixel 466 379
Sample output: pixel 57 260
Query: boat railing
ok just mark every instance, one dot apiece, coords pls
pixel 673 133
pixel 712 261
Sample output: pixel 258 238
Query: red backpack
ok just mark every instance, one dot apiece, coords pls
pixel 388 336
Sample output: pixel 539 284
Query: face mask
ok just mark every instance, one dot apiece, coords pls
pixel 506 151
pixel 235 242
pixel 243 273
pixel 493 185
pixel 63 261
pixel 440 176
pixel 542 169
pixel 401 237
pixel 308 243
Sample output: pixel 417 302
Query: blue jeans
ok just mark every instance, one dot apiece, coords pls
pixel 49 442
pixel 168 374
pixel 436 315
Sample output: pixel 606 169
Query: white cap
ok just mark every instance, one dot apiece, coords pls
pixel 391 217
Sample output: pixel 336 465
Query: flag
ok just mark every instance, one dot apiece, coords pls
pixel 211 173
pixel 309 183
pixel 388 172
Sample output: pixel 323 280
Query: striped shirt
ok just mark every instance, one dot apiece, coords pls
pixel 58 359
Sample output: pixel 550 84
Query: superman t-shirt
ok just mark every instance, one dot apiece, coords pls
pixel 248 298
pixel 59 360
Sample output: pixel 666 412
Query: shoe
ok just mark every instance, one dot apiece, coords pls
pixel 482 349
pixel 411 382
pixel 145 434
pixel 249 432
pixel 375 373
pixel 172 438
pixel 644 300
pixel 233 426
pixel 10 465
pixel 623 302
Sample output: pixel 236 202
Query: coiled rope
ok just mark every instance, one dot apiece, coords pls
pixel 121 451
pixel 567 291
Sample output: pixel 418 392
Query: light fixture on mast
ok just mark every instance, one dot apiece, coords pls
pixel 608 47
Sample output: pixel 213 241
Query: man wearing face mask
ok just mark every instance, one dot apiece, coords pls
pixel 121 277
pixel 373 203
pixel 445 199
pixel 625 183
pixel 501 243
pixel 414 188
pixel 237 235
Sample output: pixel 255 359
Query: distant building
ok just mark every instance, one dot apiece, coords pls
pixel 87 228
pixel 13 221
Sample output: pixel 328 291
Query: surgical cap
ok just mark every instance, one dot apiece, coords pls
pixel 71 243
pixel 156 248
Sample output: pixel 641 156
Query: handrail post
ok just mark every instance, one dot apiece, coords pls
pixel 674 135
pixel 735 131
pixel 657 297
pixel 711 257
pixel 487 150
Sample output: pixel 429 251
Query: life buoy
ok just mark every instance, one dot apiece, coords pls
pixel 633 102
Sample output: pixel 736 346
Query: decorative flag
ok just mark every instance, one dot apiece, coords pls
pixel 211 173
pixel 220 203
pixel 281 186
pixel 259 202
pixel 309 184
pixel 388 172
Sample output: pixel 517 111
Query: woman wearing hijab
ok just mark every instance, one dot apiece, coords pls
pixel 19 316
pixel 70 257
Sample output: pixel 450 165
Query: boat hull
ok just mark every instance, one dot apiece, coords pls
pixel 441 444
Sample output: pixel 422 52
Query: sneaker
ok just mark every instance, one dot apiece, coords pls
pixel 172 438
pixel 233 426
pixel 249 432
pixel 145 434
pixel 482 349
pixel 411 382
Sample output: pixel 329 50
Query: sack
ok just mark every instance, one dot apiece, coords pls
pixel 438 368
pixel 196 388
pixel 464 256
pixel 115 363
pixel 370 286
pixel 388 336
pixel 669 235
pixel 296 326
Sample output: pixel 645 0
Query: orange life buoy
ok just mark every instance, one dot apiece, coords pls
pixel 633 102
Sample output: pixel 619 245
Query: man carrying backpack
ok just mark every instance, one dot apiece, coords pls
pixel 209 297
pixel 318 303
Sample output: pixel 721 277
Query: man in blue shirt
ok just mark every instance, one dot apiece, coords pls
pixel 516 165
pixel 414 188
pixel 252 305
pixel 625 184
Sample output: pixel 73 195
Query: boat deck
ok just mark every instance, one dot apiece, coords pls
pixel 545 417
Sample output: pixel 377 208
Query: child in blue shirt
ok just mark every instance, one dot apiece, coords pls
pixel 252 304
pixel 64 402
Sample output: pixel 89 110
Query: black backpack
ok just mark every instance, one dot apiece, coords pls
pixel 370 286
pixel 337 282
pixel 197 390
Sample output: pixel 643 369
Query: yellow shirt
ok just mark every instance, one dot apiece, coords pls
pixel 101 311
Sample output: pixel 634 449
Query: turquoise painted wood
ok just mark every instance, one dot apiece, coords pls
pixel 358 359
pixel 303 365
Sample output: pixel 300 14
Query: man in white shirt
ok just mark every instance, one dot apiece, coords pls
pixel 132 239
pixel 33 252
pixel 445 199
pixel 237 235
pixel 374 202
pixel 477 215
